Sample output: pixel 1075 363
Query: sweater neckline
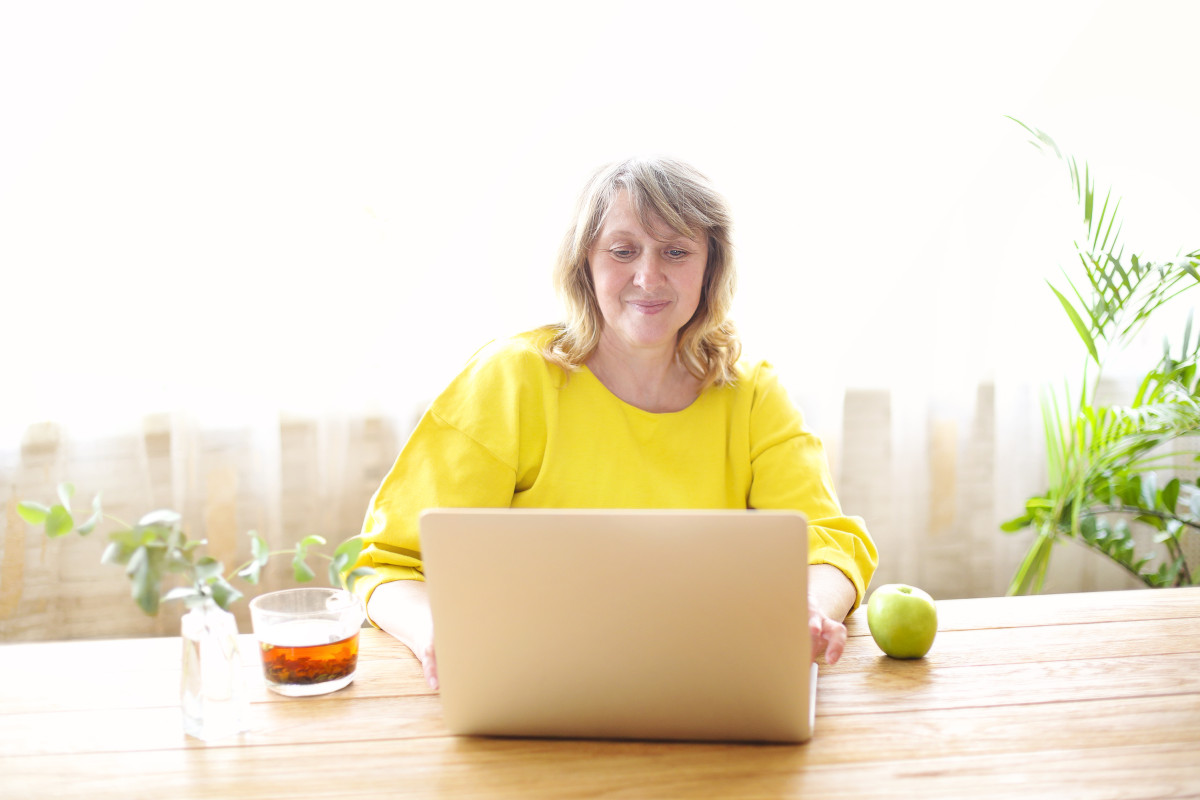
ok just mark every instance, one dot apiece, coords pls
pixel 648 414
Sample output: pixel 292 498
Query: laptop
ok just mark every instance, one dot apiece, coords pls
pixel 664 624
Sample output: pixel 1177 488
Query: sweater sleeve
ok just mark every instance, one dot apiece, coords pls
pixel 789 470
pixel 439 467
pixel 466 452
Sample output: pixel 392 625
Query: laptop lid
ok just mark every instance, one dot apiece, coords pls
pixel 621 624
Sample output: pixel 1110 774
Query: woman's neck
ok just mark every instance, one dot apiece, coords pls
pixel 652 380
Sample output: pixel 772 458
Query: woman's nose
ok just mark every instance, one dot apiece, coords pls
pixel 648 272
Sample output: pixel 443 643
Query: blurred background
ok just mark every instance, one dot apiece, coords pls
pixel 244 244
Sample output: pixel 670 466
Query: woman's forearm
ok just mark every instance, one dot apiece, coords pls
pixel 830 591
pixel 401 608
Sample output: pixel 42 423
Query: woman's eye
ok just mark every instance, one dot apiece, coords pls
pixel 675 252
pixel 622 253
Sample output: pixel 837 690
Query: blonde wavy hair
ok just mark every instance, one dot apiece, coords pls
pixel 680 196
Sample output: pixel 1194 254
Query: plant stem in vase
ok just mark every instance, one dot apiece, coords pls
pixel 213 689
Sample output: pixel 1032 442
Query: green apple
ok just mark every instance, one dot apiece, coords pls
pixel 902 619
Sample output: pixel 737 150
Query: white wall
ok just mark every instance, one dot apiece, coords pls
pixel 355 192
pixel 228 207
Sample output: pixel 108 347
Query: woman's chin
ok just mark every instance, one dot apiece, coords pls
pixel 652 340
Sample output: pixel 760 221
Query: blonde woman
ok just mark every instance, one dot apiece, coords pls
pixel 639 399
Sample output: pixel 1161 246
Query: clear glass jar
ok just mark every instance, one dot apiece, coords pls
pixel 213 689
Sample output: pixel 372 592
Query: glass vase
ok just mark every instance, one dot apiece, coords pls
pixel 213 690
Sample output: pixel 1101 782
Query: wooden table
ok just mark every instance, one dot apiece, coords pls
pixel 1067 696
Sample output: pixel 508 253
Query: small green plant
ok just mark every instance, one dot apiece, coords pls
pixel 1113 468
pixel 157 547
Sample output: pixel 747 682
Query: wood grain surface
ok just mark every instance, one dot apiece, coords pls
pixel 1069 696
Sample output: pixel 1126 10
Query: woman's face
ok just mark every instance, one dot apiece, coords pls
pixel 647 281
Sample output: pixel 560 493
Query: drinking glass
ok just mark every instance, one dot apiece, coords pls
pixel 308 639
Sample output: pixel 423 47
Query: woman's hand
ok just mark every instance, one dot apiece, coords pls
pixel 828 636
pixel 429 666
pixel 401 608
pixel 831 595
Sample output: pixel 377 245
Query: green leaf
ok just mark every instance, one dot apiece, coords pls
pixel 223 592
pixel 173 536
pixel 136 561
pixel 88 526
pixel 1016 524
pixel 94 519
pixel 33 513
pixel 1131 490
pixel 260 554
pixel 163 517
pixel 1091 529
pixel 259 549
pixel 1163 536
pixel 1154 522
pixel 251 573
pixel 206 568
pixel 1089 196
pixel 351 549
pixel 354 575
pixel 185 593
pixel 343 558
pixel 1112 219
pixel 1170 495
pixel 1080 328
pixel 145 580
pixel 301 571
pixel 1076 183
pixel 179 559
pixel 65 492
pixel 59 522
pixel 116 553
pixel 1149 496
pixel 1043 139
pixel 1115 263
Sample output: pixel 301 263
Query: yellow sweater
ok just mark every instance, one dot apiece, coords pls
pixel 513 430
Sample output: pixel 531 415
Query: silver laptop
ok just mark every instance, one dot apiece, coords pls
pixel 686 625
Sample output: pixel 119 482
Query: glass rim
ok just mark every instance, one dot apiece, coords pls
pixel 351 599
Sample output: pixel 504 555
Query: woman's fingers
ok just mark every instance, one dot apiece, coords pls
pixel 828 637
pixel 429 667
pixel 835 641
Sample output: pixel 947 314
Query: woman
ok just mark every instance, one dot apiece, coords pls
pixel 638 400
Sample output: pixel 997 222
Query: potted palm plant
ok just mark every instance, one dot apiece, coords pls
pixel 1115 483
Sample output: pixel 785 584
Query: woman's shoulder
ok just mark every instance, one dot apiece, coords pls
pixel 520 355
pixel 505 372
pixel 752 372
pixel 760 387
pixel 522 349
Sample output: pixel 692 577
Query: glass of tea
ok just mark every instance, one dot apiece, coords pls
pixel 308 639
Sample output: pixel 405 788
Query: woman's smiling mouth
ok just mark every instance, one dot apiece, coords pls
pixel 649 306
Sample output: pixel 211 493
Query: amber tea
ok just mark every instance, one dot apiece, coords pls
pixel 289 662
